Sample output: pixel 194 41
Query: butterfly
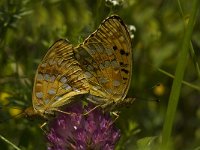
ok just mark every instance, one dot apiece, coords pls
pixel 58 80
pixel 100 68
pixel 106 60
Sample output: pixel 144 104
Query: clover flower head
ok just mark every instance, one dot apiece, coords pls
pixel 77 131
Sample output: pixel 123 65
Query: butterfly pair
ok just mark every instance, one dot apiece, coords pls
pixel 100 68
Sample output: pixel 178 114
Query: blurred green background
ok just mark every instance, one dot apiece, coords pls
pixel 28 28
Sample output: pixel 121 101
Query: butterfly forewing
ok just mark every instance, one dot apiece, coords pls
pixel 58 78
pixel 106 59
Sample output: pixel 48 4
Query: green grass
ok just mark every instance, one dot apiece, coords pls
pixel 179 74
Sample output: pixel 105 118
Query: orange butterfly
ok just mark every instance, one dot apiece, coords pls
pixel 106 59
pixel 100 68
pixel 58 80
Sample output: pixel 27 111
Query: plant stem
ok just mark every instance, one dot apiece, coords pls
pixel 179 73
pixel 10 143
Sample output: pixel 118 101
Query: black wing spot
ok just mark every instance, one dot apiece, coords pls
pixel 123 65
pixel 92 35
pixel 124 70
pixel 114 47
pixel 122 52
pixel 127 54
pixel 125 78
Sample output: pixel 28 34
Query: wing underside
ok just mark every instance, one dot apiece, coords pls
pixel 58 78
pixel 106 59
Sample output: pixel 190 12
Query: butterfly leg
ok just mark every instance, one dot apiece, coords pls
pixel 42 127
pixel 91 110
pixel 116 114
pixel 64 112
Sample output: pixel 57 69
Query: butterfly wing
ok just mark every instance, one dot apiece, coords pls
pixel 106 59
pixel 58 78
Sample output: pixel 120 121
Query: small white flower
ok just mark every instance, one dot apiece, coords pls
pixel 132 30
pixel 115 2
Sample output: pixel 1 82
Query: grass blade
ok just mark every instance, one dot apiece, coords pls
pixel 10 143
pixel 179 73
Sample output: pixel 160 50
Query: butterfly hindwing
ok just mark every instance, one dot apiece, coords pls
pixel 106 58
pixel 58 78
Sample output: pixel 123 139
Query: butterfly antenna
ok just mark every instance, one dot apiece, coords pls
pixel 147 99
pixel 155 86
pixel 155 99
pixel 10 107
pixel 14 116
